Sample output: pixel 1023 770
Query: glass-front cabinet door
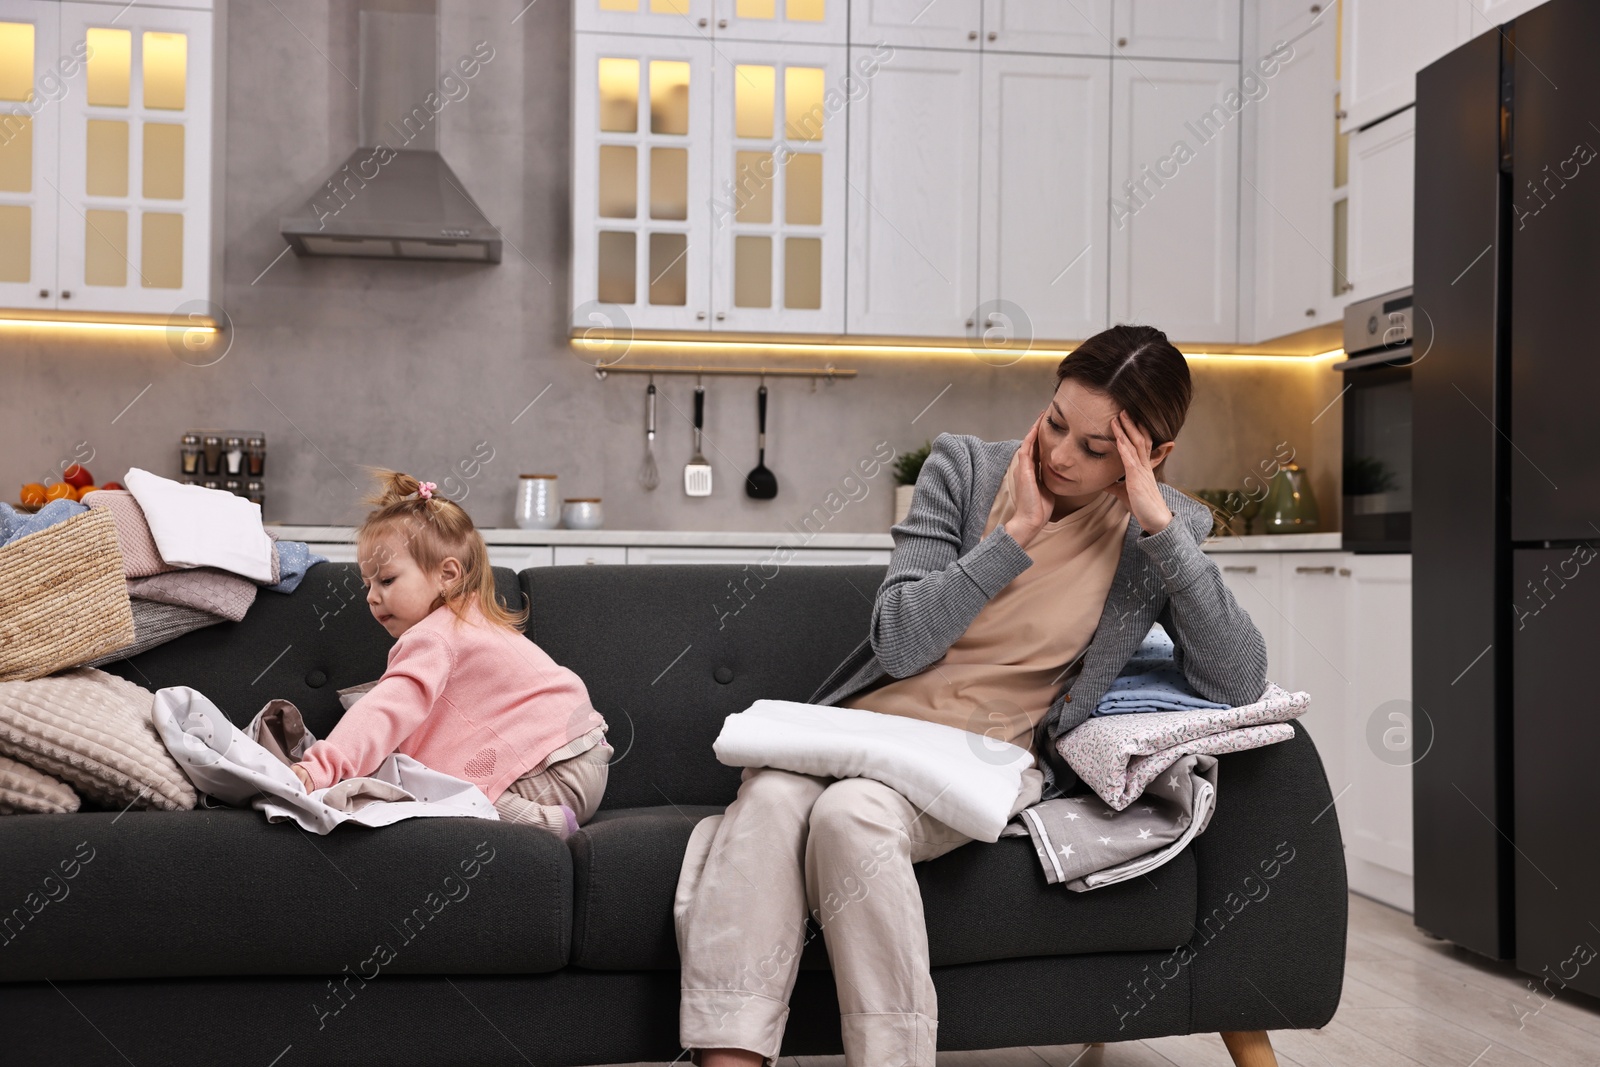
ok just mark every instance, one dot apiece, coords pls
pixel 671 18
pixel 31 90
pixel 807 21
pixel 642 136
pixel 777 206
pixel 135 161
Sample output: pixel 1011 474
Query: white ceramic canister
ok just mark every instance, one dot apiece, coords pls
pixel 582 513
pixel 538 504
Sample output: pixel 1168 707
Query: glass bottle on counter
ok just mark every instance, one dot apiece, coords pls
pixel 233 457
pixel 189 455
pixel 213 453
pixel 256 456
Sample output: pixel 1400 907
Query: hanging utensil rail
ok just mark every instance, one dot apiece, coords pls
pixel 829 372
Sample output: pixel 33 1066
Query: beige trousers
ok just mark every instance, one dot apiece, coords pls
pixel 579 782
pixel 839 850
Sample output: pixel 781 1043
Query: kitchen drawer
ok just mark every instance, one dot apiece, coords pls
pixel 579 555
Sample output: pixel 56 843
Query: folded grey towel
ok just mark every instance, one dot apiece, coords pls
pixel 155 623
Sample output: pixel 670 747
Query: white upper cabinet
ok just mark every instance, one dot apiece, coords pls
pixel 1175 197
pixel 1382 178
pixel 808 21
pixel 1044 197
pixel 1488 14
pixel 1050 27
pixel 777 206
pixel 917 23
pixel 1386 42
pixel 671 18
pixel 913 198
pixel 641 214
pixel 1177 29
pixel 134 224
pixel 30 123
pixel 1290 198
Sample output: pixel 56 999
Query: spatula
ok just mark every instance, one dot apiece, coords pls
pixel 697 472
pixel 761 484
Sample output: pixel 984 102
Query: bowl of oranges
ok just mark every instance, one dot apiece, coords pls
pixel 75 482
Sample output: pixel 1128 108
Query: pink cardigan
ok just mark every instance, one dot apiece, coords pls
pixel 476 701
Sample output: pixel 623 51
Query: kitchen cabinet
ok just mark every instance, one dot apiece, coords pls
pixel 1290 199
pixel 106 180
pixel 517 557
pixel 708 184
pixel 1044 203
pixel 1386 43
pixel 955 24
pixel 30 130
pixel 1175 197
pixel 815 21
pixel 1490 14
pixel 641 211
pixel 589 555
pixel 1338 626
pixel 1382 180
pixel 915 144
pixel 1050 27
pixel 1177 29
pixel 778 173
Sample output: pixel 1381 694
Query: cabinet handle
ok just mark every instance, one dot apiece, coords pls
pixel 993 36
pixel 701 315
pixel 970 323
pixel 972 35
pixel 1317 570
pixel 703 23
pixel 1341 114
pixel 1344 572
pixel 66 294
pixel 1122 42
pixel 721 315
pixel 1240 568
pixel 722 24
pixel 44 292
pixel 1316 9
pixel 1311 313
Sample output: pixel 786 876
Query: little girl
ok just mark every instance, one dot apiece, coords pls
pixel 465 692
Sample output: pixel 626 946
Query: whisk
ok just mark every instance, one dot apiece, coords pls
pixel 649 477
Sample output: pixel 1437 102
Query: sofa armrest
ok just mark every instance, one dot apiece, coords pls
pixel 1269 943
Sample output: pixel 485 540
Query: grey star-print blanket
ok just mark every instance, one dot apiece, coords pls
pixel 1154 782
pixel 1082 841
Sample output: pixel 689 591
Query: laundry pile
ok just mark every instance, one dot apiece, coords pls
pixel 1153 740
pixel 191 556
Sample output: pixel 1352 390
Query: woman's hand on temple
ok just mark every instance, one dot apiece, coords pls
pixel 1034 503
pixel 1138 490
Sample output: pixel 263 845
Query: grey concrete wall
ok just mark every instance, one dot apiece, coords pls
pixel 343 362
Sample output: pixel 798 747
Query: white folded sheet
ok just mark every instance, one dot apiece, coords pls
pixel 198 527
pixel 965 780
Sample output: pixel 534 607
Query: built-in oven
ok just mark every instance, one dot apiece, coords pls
pixel 1376 511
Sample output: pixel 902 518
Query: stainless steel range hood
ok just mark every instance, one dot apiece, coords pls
pixel 395 197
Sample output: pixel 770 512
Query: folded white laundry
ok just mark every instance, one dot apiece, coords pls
pixel 198 527
pixel 229 764
pixel 966 780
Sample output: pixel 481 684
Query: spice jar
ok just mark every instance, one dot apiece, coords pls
pixel 213 452
pixel 189 454
pixel 255 451
pixel 233 456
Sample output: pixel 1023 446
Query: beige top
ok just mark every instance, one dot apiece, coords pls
pixel 1001 675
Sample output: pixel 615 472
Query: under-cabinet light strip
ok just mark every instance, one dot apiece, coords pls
pixel 1002 357
pixel 139 326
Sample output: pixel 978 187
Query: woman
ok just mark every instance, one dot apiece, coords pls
pixel 1023 579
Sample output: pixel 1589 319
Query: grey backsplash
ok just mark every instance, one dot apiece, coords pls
pixel 416 366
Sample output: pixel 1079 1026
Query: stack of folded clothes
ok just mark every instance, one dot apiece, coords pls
pixel 192 556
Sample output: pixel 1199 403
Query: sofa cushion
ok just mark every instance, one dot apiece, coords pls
pixel 668 658
pixel 981 901
pixel 301 647
pixel 220 891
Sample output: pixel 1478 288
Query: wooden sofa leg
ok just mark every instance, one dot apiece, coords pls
pixel 1249 1048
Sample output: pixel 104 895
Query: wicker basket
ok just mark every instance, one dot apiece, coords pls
pixel 63 598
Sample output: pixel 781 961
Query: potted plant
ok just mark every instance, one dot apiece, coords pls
pixel 906 469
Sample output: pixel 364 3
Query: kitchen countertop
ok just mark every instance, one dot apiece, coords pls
pixel 1306 542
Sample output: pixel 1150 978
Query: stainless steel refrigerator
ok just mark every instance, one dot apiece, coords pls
pixel 1506 506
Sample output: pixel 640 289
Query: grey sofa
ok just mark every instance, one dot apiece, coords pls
pixel 211 937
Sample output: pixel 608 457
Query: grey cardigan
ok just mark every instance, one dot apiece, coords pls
pixel 943 571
